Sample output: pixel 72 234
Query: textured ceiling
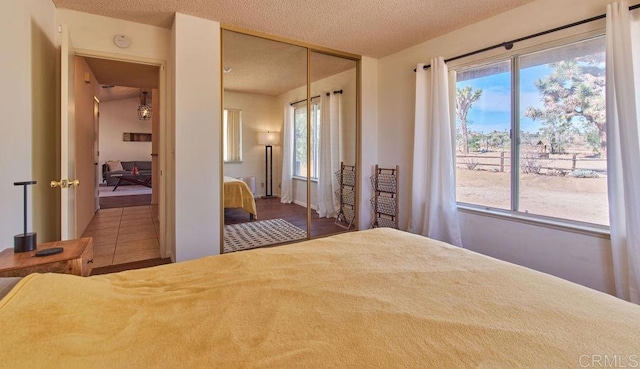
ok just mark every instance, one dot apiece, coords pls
pixel 373 28
pixel 266 67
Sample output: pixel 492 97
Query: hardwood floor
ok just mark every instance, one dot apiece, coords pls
pixel 272 208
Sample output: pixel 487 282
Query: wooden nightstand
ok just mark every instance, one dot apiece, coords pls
pixel 77 258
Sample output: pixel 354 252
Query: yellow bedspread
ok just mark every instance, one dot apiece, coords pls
pixel 238 195
pixel 372 299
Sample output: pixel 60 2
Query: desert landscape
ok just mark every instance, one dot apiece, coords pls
pixel 560 195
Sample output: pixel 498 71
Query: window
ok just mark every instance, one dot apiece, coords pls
pixel 554 102
pixel 232 136
pixel 300 141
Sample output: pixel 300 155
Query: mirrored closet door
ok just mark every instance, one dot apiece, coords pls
pixel 284 142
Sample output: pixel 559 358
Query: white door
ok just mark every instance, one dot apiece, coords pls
pixel 67 182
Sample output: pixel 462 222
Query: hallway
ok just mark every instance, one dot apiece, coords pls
pixel 124 235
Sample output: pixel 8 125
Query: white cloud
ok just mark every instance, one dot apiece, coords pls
pixel 494 99
pixel 528 99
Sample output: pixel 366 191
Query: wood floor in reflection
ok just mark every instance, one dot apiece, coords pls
pixel 272 208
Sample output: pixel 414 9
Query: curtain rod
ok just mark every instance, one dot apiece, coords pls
pixel 509 44
pixel 315 97
pixel 303 100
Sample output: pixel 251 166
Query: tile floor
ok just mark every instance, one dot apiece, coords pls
pixel 124 235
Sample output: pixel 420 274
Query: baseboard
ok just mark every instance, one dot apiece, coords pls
pixel 262 195
pixel 304 204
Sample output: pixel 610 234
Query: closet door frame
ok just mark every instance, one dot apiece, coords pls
pixel 310 48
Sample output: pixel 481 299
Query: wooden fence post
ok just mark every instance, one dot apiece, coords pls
pixel 573 162
pixel 502 162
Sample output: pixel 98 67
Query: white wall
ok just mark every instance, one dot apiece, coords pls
pixel 117 117
pixel 577 257
pixel 94 33
pixel 197 137
pixel 260 113
pixel 368 137
pixel 29 120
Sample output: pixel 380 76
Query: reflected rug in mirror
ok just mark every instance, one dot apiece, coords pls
pixel 245 236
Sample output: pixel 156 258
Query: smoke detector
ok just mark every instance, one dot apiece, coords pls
pixel 121 41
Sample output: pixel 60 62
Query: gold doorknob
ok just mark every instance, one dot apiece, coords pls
pixel 65 183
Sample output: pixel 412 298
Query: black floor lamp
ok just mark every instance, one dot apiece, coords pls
pixel 269 139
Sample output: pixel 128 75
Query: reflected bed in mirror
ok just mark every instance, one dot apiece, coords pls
pixel 237 194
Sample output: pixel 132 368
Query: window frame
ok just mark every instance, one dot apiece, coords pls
pixel 315 129
pixel 513 57
pixel 225 124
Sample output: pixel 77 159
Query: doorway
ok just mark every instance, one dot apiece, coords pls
pixel 125 225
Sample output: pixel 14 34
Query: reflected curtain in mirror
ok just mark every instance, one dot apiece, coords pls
pixel 232 136
pixel 329 155
pixel 286 192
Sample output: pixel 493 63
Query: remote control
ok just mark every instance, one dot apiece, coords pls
pixel 51 251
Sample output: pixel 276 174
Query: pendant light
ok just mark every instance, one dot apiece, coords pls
pixel 144 110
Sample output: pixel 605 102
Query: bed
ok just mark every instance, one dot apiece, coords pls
pixel 237 194
pixel 374 299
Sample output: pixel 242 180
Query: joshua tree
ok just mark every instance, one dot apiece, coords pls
pixel 573 93
pixel 465 97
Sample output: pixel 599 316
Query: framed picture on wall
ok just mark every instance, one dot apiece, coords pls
pixel 136 137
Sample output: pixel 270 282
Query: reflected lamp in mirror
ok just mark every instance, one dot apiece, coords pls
pixel 232 136
pixel 269 138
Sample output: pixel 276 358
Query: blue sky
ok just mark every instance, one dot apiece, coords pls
pixel 492 111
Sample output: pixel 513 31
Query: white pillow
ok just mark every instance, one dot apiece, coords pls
pixel 114 165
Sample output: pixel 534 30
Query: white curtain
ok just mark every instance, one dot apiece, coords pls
pixel 433 203
pixel 623 148
pixel 232 138
pixel 328 154
pixel 286 192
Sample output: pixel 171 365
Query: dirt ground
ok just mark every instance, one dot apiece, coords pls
pixel 582 199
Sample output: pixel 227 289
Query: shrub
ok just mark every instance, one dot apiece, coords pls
pixel 556 172
pixel 584 173
pixel 530 163
pixel 471 163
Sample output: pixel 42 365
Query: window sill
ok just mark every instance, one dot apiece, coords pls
pixel 566 225
pixel 304 179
